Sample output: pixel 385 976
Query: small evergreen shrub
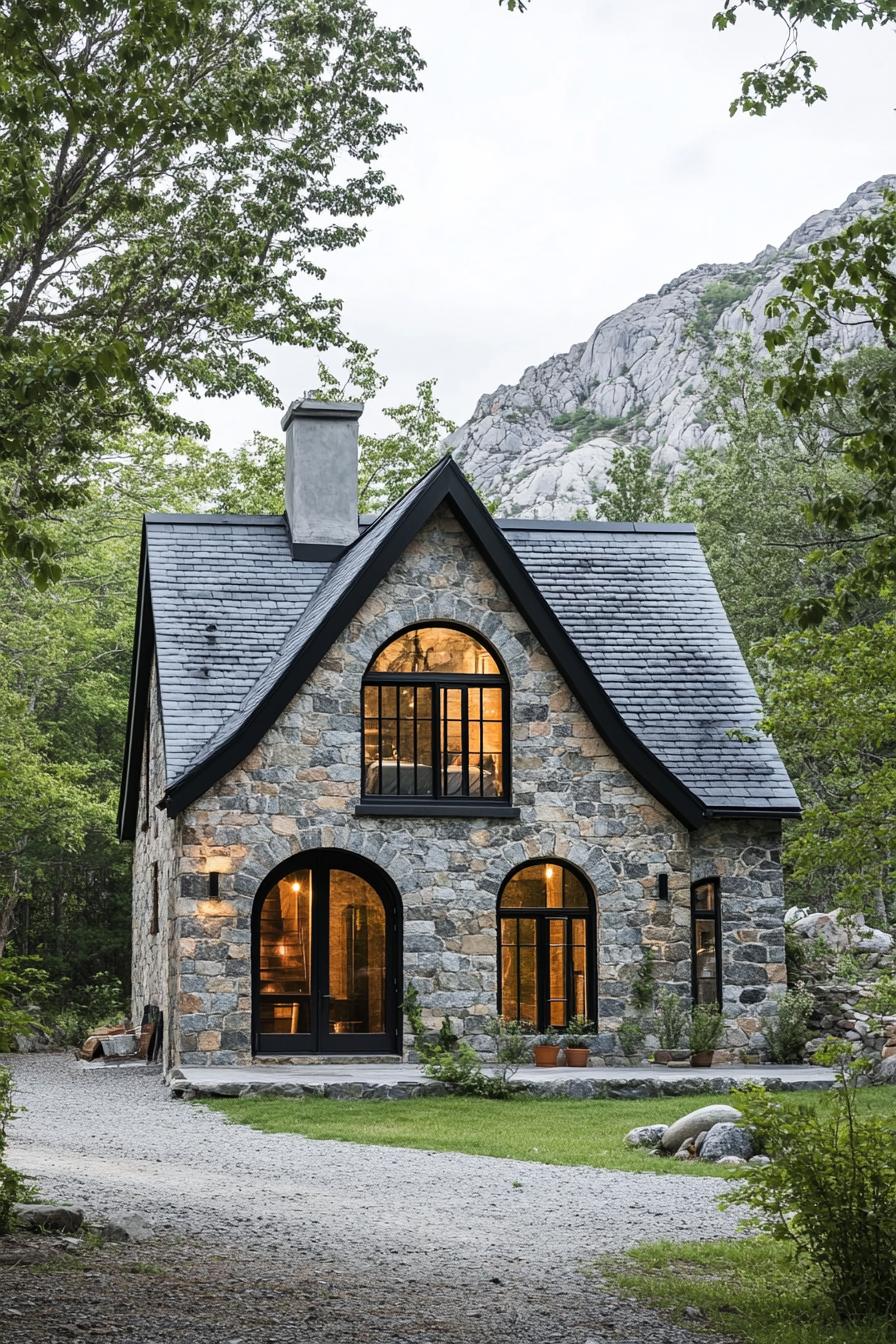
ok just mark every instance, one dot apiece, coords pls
pixel 631 1037
pixel 706 1027
pixel 789 1032
pixel 643 986
pixel 830 1191
pixel 671 1019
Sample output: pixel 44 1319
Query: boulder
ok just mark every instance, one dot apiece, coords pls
pixel 796 912
pixel 874 940
pixel 47 1218
pixel 760 1160
pixel 124 1226
pixel 727 1140
pixel 645 1136
pixel 732 1161
pixel 689 1126
pixel 883 1072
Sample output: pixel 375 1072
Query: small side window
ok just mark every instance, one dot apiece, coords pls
pixel 154 901
pixel 706 942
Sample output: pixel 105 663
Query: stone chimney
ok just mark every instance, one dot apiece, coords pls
pixel 322 475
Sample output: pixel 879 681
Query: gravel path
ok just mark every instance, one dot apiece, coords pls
pixel 342 1242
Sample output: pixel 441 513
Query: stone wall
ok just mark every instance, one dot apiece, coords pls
pixel 746 857
pixel 154 955
pixel 298 788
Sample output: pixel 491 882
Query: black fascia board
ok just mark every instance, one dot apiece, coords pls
pixel 449 485
pixel 771 812
pixel 138 699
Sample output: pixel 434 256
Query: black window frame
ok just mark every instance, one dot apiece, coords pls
pixel 154 899
pixel 541 916
pixel 437 683
pixel 702 916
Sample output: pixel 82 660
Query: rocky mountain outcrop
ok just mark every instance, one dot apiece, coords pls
pixel 543 446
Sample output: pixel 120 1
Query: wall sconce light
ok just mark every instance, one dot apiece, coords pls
pixel 662 886
pixel 215 866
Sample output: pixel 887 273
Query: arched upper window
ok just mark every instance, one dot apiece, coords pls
pixel 435 718
pixel 546 942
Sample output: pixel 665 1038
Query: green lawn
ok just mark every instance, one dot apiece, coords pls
pixel 563 1133
pixel 753 1290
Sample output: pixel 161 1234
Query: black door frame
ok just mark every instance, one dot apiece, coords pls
pixel 319 1040
pixel 541 916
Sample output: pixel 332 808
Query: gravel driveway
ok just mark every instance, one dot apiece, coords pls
pixel 264 1238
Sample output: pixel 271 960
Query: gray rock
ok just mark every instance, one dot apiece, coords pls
pixel 885 1071
pixel 760 1160
pixel 645 1136
pixel 639 378
pixel 728 1140
pixel 700 1140
pixel 124 1226
pixel 689 1126
pixel 732 1161
pixel 47 1218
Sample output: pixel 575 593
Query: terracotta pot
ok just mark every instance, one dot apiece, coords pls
pixel 701 1059
pixel 576 1056
pixel 546 1056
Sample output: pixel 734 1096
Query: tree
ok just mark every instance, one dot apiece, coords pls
pixel 635 492
pixel 171 170
pixel 792 73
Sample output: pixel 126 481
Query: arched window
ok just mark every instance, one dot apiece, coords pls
pixel 435 718
pixel 546 945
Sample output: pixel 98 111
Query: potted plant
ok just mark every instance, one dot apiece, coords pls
pixel 707 1025
pixel 546 1050
pixel 671 1023
pixel 631 1037
pixel 576 1049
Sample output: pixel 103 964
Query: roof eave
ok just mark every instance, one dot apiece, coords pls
pixel 141 670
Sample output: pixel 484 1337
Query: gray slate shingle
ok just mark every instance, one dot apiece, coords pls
pixel 638 602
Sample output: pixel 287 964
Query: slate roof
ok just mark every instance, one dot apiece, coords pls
pixel 640 604
pixel 234 614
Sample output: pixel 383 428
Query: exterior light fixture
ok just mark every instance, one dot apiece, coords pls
pixel 662 886
pixel 215 865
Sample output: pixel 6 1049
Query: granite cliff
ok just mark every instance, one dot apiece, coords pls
pixel 542 446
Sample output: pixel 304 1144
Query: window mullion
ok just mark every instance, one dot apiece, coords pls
pixel 465 741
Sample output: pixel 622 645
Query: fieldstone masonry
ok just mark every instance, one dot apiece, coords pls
pixel 297 791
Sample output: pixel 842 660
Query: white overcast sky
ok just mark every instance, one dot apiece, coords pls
pixel 561 163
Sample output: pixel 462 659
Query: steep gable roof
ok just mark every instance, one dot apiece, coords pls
pixel 611 614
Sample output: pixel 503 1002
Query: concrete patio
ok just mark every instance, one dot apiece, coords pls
pixel 395 1082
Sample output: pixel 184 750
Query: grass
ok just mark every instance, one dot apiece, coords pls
pixel 754 1290
pixel 561 1133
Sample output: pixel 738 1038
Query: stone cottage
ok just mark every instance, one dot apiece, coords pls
pixel 492 757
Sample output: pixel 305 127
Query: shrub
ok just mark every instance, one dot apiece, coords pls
pixel 578 1031
pixel 789 1032
pixel 848 967
pixel 454 1062
pixel 643 986
pixel 100 1003
pixel 631 1037
pixel 12 1187
pixel 24 989
pixel 671 1019
pixel 830 1191
pixel 882 999
pixel 707 1025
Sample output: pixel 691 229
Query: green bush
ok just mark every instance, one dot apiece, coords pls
pixel 643 987
pixel 882 999
pixel 830 1191
pixel 631 1037
pixel 12 1187
pixel 671 1019
pixel 24 990
pixel 455 1063
pixel 100 1003
pixel 707 1025
pixel 788 1033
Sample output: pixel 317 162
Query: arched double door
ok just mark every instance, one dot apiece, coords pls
pixel 326 940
